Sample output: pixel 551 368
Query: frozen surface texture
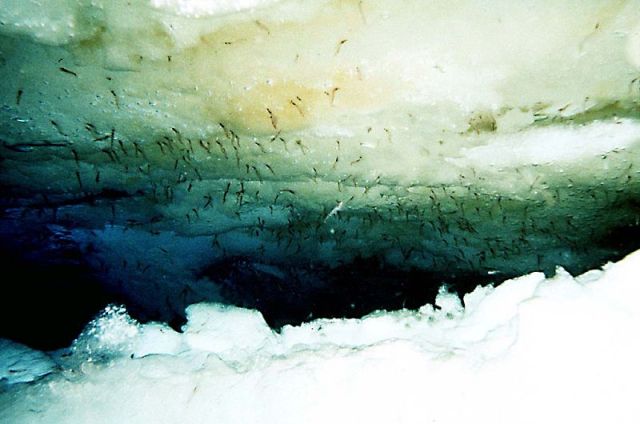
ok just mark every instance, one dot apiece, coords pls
pixel 451 136
pixel 182 148
pixel 531 350
pixel 19 364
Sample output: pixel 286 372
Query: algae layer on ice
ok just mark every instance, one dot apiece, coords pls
pixel 448 136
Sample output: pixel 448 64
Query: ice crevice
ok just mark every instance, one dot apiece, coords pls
pixel 319 210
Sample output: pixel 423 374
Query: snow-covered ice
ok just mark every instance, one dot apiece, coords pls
pixel 531 350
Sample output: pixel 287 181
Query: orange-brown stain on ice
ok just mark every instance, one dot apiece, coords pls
pixel 263 76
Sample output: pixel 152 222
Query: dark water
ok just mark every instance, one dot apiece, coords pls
pixel 290 295
pixel 50 292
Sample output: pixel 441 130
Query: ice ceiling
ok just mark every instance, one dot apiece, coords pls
pixel 273 153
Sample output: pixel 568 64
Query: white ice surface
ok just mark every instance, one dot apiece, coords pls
pixel 198 8
pixel 532 350
pixel 558 145
pixel 19 364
